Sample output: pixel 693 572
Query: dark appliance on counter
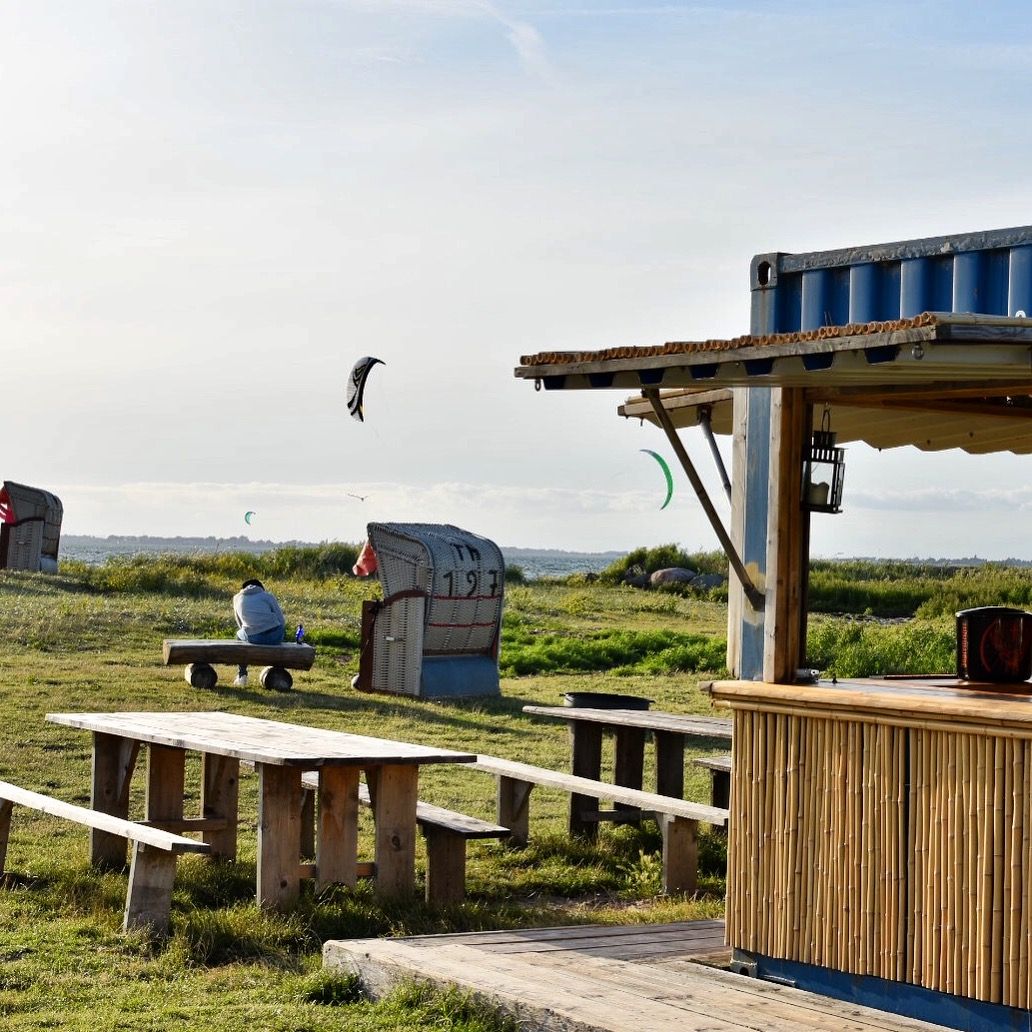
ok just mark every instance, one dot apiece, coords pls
pixel 994 643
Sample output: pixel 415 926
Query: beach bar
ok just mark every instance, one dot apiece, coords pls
pixel 881 830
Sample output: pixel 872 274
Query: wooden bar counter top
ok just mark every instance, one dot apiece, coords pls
pixel 883 827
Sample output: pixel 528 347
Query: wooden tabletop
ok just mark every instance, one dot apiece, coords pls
pixel 942 699
pixel 258 740
pixel 652 720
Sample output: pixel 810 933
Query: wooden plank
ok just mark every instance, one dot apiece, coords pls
pixel 220 787
pixel 289 654
pixel 691 724
pixel 429 814
pixel 257 740
pixel 393 788
pixel 111 825
pixel 567 992
pixel 680 854
pixel 596 789
pixel 279 835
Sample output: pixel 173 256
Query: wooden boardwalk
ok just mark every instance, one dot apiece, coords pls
pixel 599 978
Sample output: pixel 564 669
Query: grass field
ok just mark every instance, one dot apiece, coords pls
pixel 90 639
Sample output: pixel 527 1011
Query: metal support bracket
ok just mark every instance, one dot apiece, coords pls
pixel 752 593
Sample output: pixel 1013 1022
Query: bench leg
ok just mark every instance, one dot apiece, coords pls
pixel 166 776
pixel 149 899
pixel 680 853
pixel 114 759
pixel 445 866
pixel 220 786
pixel 514 808
pixel 6 809
pixel 336 848
pixel 720 788
pixel 307 822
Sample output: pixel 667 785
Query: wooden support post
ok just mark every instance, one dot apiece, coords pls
pixel 680 853
pixel 149 899
pixel 114 759
pixel 6 809
pixel 629 760
pixel 670 763
pixel 279 835
pixel 445 866
pixel 336 850
pixel 166 778
pixel 307 823
pixel 783 649
pixel 394 811
pixel 514 808
pixel 720 789
pixel 220 786
pixel 586 751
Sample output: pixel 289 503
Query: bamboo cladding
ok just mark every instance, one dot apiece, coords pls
pixel 873 849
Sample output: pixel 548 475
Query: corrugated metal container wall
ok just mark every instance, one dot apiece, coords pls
pixel 989 273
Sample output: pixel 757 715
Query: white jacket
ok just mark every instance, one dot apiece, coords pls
pixel 257 610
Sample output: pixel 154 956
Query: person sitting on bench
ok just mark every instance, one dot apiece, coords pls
pixel 260 619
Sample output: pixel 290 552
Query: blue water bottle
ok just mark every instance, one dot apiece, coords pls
pixel 299 635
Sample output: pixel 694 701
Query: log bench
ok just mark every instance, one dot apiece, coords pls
pixel 677 819
pixel 719 768
pixel 154 852
pixel 446 833
pixel 200 654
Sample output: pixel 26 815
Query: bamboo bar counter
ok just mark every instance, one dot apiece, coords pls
pixel 884 828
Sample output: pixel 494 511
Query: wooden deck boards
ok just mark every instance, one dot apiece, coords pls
pixel 596 978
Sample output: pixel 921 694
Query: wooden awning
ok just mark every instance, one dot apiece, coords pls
pixel 936 381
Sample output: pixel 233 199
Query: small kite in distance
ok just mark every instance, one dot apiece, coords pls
pixel 666 472
pixel 249 515
pixel 356 384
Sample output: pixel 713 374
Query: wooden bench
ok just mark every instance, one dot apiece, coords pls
pixel 154 852
pixel 720 778
pixel 446 833
pixel 199 655
pixel 677 819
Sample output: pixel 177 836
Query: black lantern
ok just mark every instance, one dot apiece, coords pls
pixel 824 469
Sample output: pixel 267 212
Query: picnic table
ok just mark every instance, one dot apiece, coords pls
pixel 281 753
pixel 670 731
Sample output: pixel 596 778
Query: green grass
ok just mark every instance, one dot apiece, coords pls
pixel 90 639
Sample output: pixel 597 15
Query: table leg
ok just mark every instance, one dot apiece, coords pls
pixel 114 759
pixel 336 856
pixel 394 793
pixel 670 763
pixel 279 835
pixel 220 787
pixel 166 778
pixel 586 750
pixel 629 761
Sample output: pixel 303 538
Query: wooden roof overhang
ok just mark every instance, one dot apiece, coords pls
pixel 934 381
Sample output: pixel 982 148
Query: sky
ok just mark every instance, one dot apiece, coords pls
pixel 211 209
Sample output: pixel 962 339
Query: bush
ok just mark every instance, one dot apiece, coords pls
pixel 659 558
